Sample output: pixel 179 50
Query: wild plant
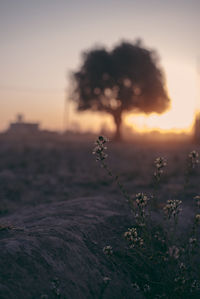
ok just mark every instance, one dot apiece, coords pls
pixel 192 162
pixel 159 165
pixel 100 153
pixel 160 261
pixel 55 290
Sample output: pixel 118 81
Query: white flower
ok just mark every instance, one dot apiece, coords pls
pixel 160 163
pixel 197 219
pixel 146 288
pixel 141 200
pixel 192 241
pixel 174 252
pixel 172 208
pixel 193 159
pixel 99 150
pixel 132 237
pixel 197 199
pixel 106 279
pixel 108 250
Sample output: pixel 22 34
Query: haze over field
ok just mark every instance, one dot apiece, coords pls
pixel 42 42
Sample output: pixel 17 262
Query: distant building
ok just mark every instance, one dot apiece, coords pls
pixel 23 128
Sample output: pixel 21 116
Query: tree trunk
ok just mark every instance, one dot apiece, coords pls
pixel 118 120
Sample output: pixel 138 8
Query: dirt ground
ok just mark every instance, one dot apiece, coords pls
pixel 64 208
pixel 31 174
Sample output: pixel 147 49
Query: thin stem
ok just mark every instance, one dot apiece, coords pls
pixel 119 184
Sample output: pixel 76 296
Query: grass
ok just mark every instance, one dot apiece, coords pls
pixel 162 261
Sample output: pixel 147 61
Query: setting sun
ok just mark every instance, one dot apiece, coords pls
pixel 181 83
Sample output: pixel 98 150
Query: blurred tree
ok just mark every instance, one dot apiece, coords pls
pixel 126 79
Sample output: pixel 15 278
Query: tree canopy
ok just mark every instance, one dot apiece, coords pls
pixel 127 78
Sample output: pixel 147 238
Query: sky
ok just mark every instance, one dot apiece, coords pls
pixel 41 45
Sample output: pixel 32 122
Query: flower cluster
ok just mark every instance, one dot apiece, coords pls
pixel 55 287
pixel 197 199
pixel 174 252
pixel 100 148
pixel 106 279
pixel 146 288
pixel 159 237
pixel 180 282
pixel 158 245
pixel 132 237
pixel 135 286
pixel 192 241
pixel 193 159
pixel 141 200
pixel 160 163
pixel 172 208
pixel 195 286
pixel 197 219
pixel 108 250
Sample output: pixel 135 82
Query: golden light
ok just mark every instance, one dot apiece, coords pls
pixel 181 83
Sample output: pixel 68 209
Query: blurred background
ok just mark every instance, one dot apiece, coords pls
pixel 42 42
pixel 58 207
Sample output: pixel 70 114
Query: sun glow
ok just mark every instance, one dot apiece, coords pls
pixel 181 83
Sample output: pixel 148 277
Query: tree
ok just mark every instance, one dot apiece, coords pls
pixel 128 78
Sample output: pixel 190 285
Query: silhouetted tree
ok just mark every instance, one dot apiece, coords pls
pixel 124 79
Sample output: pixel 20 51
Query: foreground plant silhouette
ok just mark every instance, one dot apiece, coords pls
pixel 161 262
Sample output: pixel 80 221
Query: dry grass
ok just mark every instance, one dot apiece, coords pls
pixel 33 176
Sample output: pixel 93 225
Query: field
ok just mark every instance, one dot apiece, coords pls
pixel 59 209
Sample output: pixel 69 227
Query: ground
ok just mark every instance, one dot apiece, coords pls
pixel 58 209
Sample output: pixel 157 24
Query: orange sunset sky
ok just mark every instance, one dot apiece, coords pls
pixel 42 42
